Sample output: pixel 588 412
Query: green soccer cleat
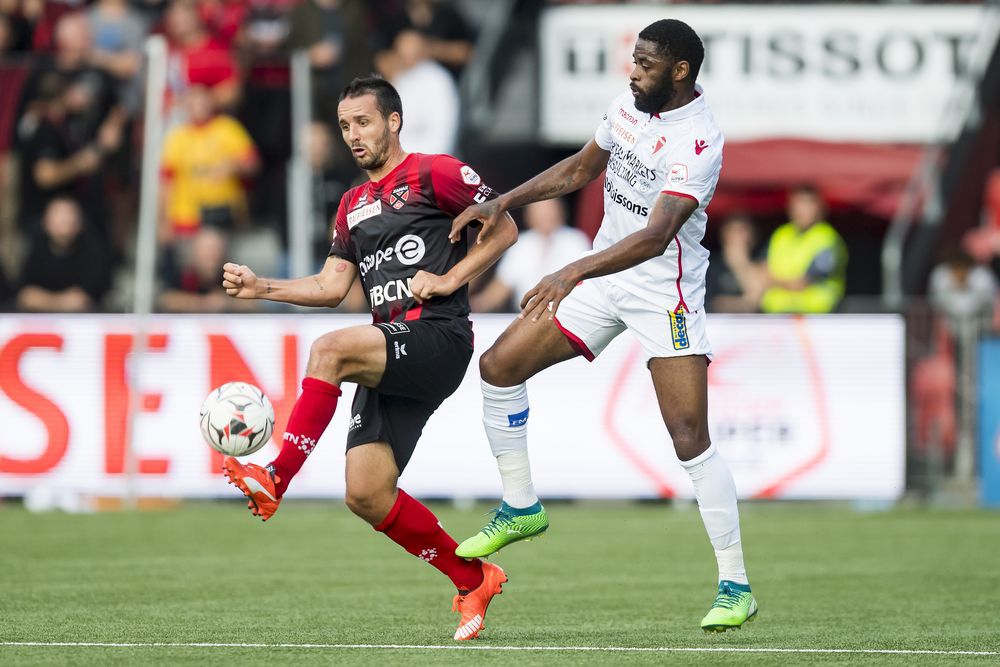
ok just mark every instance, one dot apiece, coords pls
pixel 733 606
pixel 509 524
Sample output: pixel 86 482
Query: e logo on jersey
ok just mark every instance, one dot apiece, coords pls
pixel 410 249
pixel 469 175
pixel 678 174
pixel 399 196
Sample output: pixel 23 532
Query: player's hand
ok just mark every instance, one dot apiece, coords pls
pixel 239 281
pixel 548 294
pixel 426 285
pixel 489 212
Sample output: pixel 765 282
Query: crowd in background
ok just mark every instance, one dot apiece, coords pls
pixel 71 116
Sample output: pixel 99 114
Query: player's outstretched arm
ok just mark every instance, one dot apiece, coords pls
pixel 669 213
pixel 481 257
pixel 327 288
pixel 562 178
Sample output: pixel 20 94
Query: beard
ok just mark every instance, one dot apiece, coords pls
pixel 377 154
pixel 656 98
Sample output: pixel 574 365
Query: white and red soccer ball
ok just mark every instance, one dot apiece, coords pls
pixel 237 419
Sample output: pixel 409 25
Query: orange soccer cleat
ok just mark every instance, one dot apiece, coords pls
pixel 473 604
pixel 256 483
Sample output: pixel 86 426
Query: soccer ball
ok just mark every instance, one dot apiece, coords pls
pixel 237 419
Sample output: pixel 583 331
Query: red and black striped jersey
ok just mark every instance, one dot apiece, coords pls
pixel 396 226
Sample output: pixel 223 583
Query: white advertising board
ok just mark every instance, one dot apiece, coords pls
pixel 830 72
pixel 801 408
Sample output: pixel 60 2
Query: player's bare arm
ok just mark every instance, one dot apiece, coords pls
pixel 665 220
pixel 481 257
pixel 562 178
pixel 325 289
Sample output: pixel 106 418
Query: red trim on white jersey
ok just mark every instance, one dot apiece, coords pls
pixel 680 194
pixel 680 274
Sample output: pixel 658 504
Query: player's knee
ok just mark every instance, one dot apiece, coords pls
pixel 690 437
pixel 327 355
pixel 362 500
pixel 492 371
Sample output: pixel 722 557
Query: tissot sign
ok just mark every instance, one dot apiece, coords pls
pixel 795 405
pixel 842 73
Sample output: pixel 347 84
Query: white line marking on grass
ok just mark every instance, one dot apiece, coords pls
pixel 471 647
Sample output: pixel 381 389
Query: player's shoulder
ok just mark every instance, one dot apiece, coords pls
pixel 451 168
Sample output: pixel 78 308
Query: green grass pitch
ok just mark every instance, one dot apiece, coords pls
pixel 606 575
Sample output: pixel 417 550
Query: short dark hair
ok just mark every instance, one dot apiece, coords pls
pixel 386 98
pixel 678 40
pixel 809 189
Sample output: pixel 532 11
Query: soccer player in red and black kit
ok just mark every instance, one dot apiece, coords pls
pixel 393 232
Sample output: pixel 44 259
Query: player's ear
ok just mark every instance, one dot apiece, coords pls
pixel 395 121
pixel 681 70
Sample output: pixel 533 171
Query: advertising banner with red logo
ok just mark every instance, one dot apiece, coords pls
pixel 801 408
pixel 863 73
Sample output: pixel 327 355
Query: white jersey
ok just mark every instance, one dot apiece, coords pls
pixel 678 152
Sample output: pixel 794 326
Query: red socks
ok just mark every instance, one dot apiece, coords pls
pixel 415 528
pixel 310 416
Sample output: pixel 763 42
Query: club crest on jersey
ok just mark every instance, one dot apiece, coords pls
pixel 659 143
pixel 399 196
pixel 678 330
pixel 469 175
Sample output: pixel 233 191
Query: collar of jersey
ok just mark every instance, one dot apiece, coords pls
pixel 395 169
pixel 692 108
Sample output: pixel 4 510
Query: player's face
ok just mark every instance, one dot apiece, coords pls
pixel 651 80
pixel 368 134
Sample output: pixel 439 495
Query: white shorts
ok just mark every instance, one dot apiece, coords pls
pixel 596 311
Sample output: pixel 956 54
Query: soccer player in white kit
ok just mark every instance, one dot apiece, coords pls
pixel 662 152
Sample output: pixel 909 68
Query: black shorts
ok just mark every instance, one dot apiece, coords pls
pixel 425 363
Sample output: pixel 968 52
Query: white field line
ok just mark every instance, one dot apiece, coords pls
pixel 474 647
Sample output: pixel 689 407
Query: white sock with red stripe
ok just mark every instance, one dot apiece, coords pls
pixel 716 493
pixel 505 418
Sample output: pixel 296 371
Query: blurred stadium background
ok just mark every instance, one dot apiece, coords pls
pixel 144 142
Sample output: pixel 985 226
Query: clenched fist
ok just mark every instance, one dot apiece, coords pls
pixel 239 280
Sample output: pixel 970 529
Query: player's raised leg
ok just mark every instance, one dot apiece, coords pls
pixel 356 354
pixel 524 349
pixel 681 385
pixel 372 494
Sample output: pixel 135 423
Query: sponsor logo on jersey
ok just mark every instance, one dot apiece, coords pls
pixel 623 133
pixel 363 213
pixel 482 194
pixel 618 198
pixel 678 330
pixel 659 143
pixel 699 146
pixel 518 418
pixel 627 116
pixel 408 251
pixel 469 175
pixel 399 349
pixel 626 165
pixel 399 196
pixel 355 423
pixel 678 174
pixel 394 290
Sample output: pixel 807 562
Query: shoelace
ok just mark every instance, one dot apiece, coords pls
pixel 727 598
pixel 500 521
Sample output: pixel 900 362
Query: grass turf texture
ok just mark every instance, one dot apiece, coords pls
pixel 606 575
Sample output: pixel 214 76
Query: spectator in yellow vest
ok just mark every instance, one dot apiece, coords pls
pixel 806 259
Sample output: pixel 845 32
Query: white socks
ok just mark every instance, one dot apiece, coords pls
pixel 716 493
pixel 505 417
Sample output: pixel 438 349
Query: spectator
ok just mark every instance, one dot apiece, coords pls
pixel 67 266
pixel 15 29
pixel 806 259
pixel 429 95
pixel 196 58
pixel 56 162
pixel 960 289
pixel 118 32
pixel 204 162
pixel 191 276
pixel 737 274
pixel 223 18
pixel 333 32
pixel 548 244
pixel 449 36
